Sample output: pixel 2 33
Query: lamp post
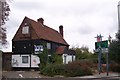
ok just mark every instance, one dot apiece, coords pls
pixel 119 16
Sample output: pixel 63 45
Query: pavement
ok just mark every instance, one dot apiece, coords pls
pixel 111 75
pixel 21 74
pixel 36 75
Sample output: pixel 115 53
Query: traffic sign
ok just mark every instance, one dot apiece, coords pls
pixel 102 44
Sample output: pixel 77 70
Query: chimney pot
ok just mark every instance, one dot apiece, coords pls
pixel 61 30
pixel 41 20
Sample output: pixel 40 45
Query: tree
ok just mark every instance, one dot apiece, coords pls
pixel 114 49
pixel 4 13
pixel 82 53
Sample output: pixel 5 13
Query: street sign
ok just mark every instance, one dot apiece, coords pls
pixel 102 44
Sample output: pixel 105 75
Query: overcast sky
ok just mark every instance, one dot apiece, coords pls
pixel 82 19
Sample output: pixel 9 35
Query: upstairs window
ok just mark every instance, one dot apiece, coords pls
pixel 25 30
pixel 48 45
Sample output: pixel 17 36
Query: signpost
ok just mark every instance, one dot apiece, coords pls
pixel 100 47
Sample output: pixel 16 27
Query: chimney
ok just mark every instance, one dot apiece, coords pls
pixel 61 30
pixel 41 20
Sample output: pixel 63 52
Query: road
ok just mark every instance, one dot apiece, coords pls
pixel 34 75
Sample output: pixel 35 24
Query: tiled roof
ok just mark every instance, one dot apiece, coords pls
pixel 46 33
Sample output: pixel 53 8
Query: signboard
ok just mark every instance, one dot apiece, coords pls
pixel 102 44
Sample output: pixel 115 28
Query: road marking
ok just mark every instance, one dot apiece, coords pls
pixel 20 75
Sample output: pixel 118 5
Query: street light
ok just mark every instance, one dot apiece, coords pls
pixel 119 16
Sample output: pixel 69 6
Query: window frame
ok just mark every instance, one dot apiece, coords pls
pixel 48 45
pixel 25 30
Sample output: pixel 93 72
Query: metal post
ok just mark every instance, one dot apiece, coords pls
pixel 99 60
pixel 1 64
pixel 118 16
pixel 107 61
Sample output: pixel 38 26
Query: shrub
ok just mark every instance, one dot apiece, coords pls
pixel 77 68
pixel 53 69
pixel 56 59
pixel 115 67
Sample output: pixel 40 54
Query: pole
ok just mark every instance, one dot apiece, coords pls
pixel 107 61
pixel 118 16
pixel 99 59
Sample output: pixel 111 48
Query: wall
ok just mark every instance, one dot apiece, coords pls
pixel 68 58
pixel 27 46
pixel 6 60
pixel 32 61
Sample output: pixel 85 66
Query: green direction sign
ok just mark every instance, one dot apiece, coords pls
pixel 102 44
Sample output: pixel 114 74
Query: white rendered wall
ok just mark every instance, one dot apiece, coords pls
pixel 17 61
pixel 68 58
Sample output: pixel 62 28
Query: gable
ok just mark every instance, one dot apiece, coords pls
pixel 25 31
pixel 39 31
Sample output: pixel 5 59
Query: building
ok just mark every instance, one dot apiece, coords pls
pixel 33 37
pixel 66 54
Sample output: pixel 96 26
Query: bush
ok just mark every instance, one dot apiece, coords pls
pixel 77 68
pixel 115 67
pixel 53 69
pixel 56 59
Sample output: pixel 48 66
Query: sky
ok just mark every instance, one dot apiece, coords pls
pixel 82 20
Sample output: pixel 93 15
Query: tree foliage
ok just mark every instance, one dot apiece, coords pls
pixel 114 49
pixel 82 53
pixel 4 13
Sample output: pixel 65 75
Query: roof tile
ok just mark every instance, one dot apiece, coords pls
pixel 47 33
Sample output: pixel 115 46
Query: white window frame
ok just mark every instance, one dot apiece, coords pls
pixel 48 45
pixel 25 30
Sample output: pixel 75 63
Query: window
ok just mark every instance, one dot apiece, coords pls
pixel 25 30
pixel 48 46
pixel 24 59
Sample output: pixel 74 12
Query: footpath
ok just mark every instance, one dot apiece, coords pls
pixel 104 76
